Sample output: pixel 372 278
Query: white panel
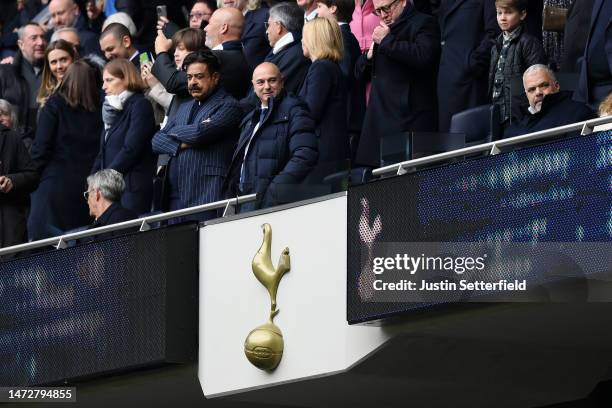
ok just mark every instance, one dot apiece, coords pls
pixel 311 299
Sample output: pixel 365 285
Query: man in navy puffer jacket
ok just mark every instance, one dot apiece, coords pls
pixel 277 146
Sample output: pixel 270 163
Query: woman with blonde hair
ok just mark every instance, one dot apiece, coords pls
pixel 129 125
pixel 59 56
pixel 324 91
pixel 605 108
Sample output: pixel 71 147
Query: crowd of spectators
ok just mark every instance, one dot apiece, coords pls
pixel 154 106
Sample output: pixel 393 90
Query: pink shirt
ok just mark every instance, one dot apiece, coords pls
pixel 364 22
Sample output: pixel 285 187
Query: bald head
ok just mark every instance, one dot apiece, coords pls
pixel 63 12
pixel 67 34
pixel 267 82
pixel 224 25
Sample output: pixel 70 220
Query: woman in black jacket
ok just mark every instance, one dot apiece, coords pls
pixel 64 150
pixel 129 125
pixel 324 91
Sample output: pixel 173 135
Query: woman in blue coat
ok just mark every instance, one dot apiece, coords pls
pixel 129 126
pixel 63 150
pixel 324 91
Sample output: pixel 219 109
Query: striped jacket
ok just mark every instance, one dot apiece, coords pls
pixel 212 133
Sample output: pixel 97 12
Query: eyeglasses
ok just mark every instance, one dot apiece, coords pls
pixel 266 24
pixel 86 194
pixel 198 15
pixel 385 9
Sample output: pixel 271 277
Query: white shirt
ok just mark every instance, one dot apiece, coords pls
pixel 218 47
pixel 311 16
pixel 534 109
pixel 280 44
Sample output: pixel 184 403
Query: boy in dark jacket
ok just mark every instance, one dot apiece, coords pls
pixel 514 51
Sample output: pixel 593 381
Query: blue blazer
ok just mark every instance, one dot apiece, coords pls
pixel 292 64
pixel 324 91
pixel 127 149
pixel 212 131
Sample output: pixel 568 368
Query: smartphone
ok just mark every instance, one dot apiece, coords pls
pixel 162 11
pixel 144 58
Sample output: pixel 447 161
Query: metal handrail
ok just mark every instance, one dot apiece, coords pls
pixel 585 128
pixel 144 223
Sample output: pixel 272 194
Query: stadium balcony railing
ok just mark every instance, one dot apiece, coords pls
pixel 339 183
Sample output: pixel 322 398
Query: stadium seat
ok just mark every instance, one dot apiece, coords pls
pixel 399 147
pixel 479 124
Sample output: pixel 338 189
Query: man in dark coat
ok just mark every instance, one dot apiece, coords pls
pixel 200 138
pixel 548 106
pixel 104 190
pixel 469 29
pixel 66 13
pixel 223 37
pixel 595 81
pixel 277 147
pixel 402 63
pixel 18 177
pixel 575 36
pixel 284 28
pixel 20 81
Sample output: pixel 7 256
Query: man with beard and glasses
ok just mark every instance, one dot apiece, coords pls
pixel 201 137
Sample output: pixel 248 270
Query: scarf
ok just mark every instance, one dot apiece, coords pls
pixel 112 107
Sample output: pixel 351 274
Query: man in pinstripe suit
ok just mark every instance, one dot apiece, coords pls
pixel 201 137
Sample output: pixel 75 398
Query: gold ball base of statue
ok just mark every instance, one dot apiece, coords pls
pixel 264 345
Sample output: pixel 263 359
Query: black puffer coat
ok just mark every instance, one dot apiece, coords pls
pixel 281 153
